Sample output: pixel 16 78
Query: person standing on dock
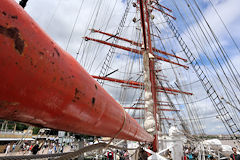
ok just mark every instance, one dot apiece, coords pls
pixel 234 155
pixel 13 147
pixel 110 155
pixel 35 148
pixel 8 148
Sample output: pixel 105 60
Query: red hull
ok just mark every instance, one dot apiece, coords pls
pixel 43 85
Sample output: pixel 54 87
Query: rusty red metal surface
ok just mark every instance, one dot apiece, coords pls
pixel 43 85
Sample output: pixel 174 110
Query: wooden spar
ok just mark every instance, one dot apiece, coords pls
pixel 158 5
pixel 163 7
pixel 157 101
pixel 43 85
pixel 123 39
pixel 139 84
pixel 158 104
pixel 159 118
pixel 134 51
pixel 139 87
pixel 159 109
pixel 164 13
pixel 137 44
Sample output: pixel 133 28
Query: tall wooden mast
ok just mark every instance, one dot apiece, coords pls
pixel 150 123
pixel 150 55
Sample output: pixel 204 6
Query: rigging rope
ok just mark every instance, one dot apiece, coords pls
pixel 73 28
pixel 54 12
pixel 191 113
pixel 106 25
pixel 220 108
pixel 200 45
pixel 109 56
pixel 185 127
pixel 87 27
pixel 221 50
pixel 220 47
pixel 230 35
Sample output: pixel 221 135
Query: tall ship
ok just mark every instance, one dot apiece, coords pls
pixel 160 76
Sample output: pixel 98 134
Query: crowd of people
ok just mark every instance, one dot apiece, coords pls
pixel 50 147
pixel 119 155
pixel 189 154
pixel 35 147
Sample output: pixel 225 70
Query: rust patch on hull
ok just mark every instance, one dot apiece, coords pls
pixel 13 33
pixel 57 52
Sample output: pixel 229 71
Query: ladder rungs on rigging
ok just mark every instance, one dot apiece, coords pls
pixel 220 107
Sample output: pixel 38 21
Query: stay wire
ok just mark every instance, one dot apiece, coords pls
pixel 187 28
pixel 191 34
pixel 87 27
pixel 106 25
pixel 194 131
pixel 93 24
pixel 159 35
pixel 54 13
pixel 211 48
pixel 201 46
pixel 220 47
pixel 74 25
pixel 224 123
pixel 195 16
pixel 192 114
pixel 185 128
pixel 226 92
pixel 128 70
pixel 109 57
pixel 230 35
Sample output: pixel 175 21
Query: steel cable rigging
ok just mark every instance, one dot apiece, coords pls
pixel 98 47
pixel 219 46
pixel 199 126
pixel 53 15
pixel 226 92
pixel 203 66
pixel 80 46
pixel 190 112
pixel 219 106
pixel 74 25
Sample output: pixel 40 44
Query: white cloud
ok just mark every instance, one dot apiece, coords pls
pixel 57 19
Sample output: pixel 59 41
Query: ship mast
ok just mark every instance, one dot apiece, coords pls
pixel 150 55
pixel 150 123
